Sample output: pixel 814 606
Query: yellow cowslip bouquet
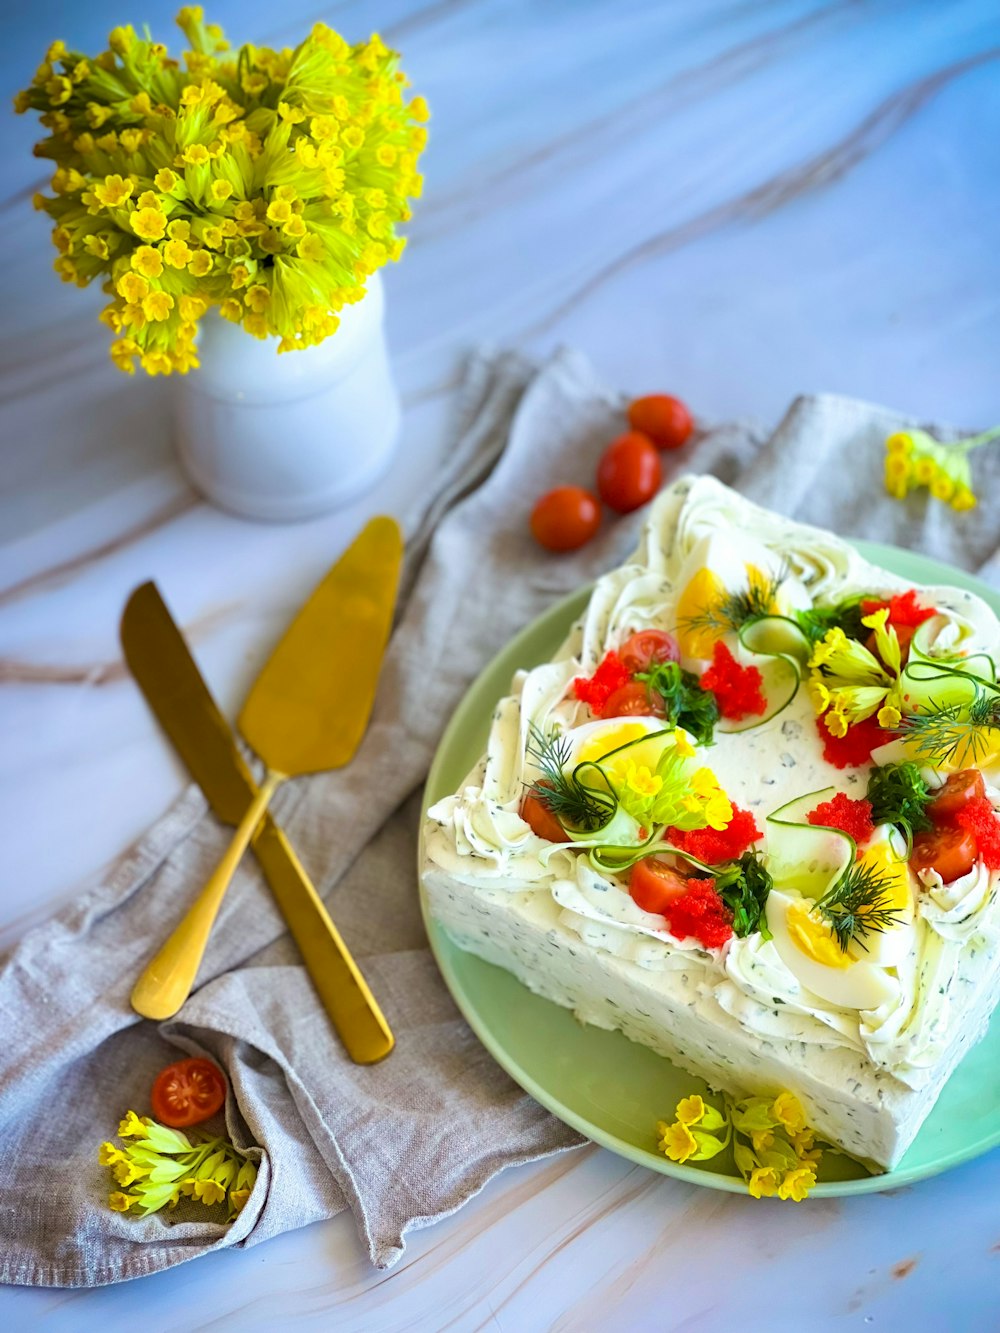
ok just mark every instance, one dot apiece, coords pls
pixel 267 183
pixel 773 1147
pixel 914 459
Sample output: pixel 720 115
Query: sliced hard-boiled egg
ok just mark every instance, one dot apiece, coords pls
pixel 720 564
pixel 810 950
pixel 594 741
pixel 885 854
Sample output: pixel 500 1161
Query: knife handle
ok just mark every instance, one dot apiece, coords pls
pixel 352 1008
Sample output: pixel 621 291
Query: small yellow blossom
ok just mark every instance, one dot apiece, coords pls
pixel 221 190
pixel 132 1127
pixel 311 247
pixel 132 287
pixel 113 191
pixel 762 1139
pixel 120 1202
pixel 797 1183
pixel 157 305
pixel 177 253
pixel 889 717
pixel 787 1110
pixel 201 264
pixel 763 1182
pixel 640 780
pixel 677 1141
pixel 195 155
pixel 149 224
pixel 690 1110
pixel 147 261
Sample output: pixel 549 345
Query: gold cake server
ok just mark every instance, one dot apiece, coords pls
pixel 307 712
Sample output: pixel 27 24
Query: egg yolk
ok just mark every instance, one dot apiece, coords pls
pixel 894 872
pixel 702 592
pixel 814 937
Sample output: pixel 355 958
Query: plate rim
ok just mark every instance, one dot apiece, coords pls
pixel 929 572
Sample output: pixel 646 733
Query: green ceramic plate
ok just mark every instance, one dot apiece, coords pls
pixel 611 1089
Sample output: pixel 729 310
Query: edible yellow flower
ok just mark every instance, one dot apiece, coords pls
pixel 177 253
pixel 201 264
pixel 763 1182
pixel 149 224
pixel 132 1127
pixel 113 191
pixel 157 305
pixel 195 155
pixel 797 1183
pixel 147 261
pixel 132 287
pixel 120 1202
pixel 690 1110
pixel 676 1141
pixel 787 1110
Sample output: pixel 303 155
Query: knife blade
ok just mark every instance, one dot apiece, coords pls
pixel 166 673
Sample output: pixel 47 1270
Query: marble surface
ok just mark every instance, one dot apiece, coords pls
pixel 735 201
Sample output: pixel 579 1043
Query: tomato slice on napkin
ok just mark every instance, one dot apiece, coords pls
pixel 188 1092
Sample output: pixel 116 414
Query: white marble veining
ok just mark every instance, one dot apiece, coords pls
pixel 734 201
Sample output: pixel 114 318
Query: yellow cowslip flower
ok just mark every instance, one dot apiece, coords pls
pixel 294 227
pixel 201 264
pixel 149 224
pixel 132 1127
pixel 924 471
pixel 177 253
pixel 763 1182
pixel 239 276
pixel 676 1141
pixel 386 155
pixel 157 305
pixel 59 89
pixel 179 229
pixel 132 287
pixel 150 199
pixel 113 191
pixel 963 499
pixel 157 363
pixel 108 1154
pixel 132 140
pixel 690 1109
pixel 192 307
pixel 836 721
pixel 279 210
pixel 640 781
pixel 209 1191
pixel 419 109
pixel 254 83
pixel 682 743
pixel 97 115
pixel 67 180
pixel 84 143
pixel 123 352
pixel 256 325
pixel 195 155
pixel 797 1183
pixel 353 137
pixel 166 180
pixel 311 247
pixel 292 115
pixel 231 309
pixel 56 51
pixel 787 1110
pixel 221 190
pixel 257 298
pixel 889 717
pixel 942 487
pixel 120 1202
pixel 147 261
pixel 762 1139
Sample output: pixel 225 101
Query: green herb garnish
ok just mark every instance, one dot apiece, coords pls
pixel 732 610
pixel 685 703
pixel 858 905
pixel 955 733
pixel 900 796
pixel 743 886
pixel 819 620
pixel 575 805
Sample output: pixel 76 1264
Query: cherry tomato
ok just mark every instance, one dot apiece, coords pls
pixel 647 646
pixel 663 418
pixel 537 815
pixel 188 1092
pixel 634 700
pixel 654 884
pixel 949 850
pixel 957 792
pixel 629 472
pixel 565 518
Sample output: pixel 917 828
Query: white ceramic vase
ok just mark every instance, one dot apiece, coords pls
pixel 291 436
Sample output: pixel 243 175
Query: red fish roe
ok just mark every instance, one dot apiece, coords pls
pixel 737 689
pixel 714 846
pixel 903 609
pixel 854 749
pixel 852 817
pixel 700 914
pixel 979 817
pixel 597 689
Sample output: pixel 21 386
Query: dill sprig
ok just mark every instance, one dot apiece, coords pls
pixel 685 703
pixel 953 733
pixel 859 905
pixel 732 610
pixel 817 621
pixel 575 805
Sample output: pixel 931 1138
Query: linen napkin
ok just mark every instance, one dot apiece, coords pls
pixel 407 1141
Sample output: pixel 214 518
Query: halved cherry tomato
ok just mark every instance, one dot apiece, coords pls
pixel 959 789
pixel 654 884
pixel 565 518
pixel 663 418
pixel 949 850
pixel 634 700
pixel 188 1092
pixel 629 472
pixel 540 819
pixel 646 646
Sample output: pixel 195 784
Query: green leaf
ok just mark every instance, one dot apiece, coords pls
pixel 708 1145
pixel 685 703
pixel 899 796
pixel 744 886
